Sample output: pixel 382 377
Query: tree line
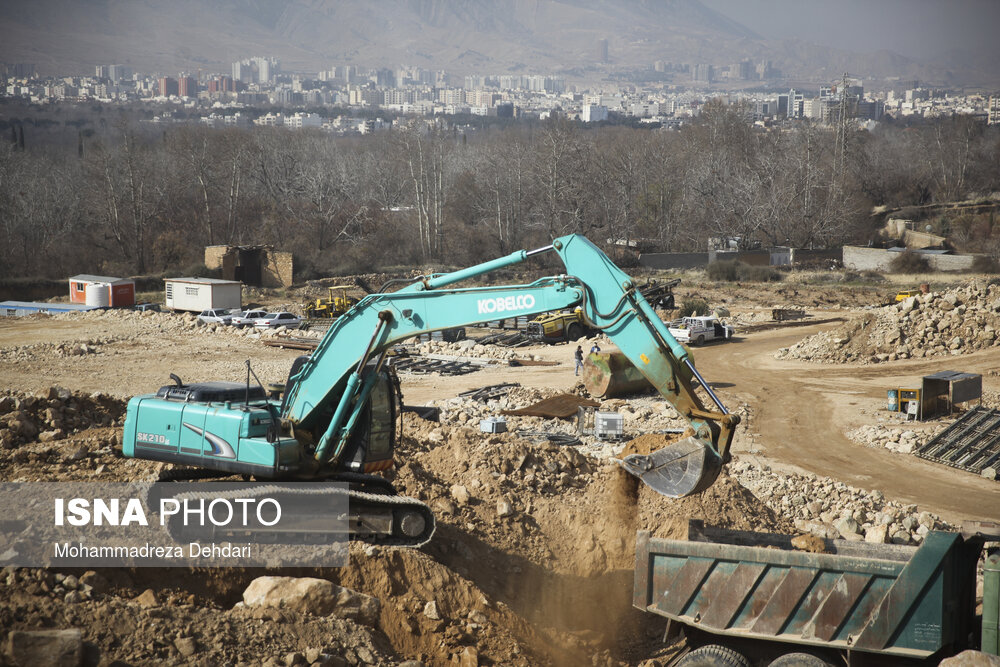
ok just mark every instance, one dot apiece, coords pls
pixel 139 199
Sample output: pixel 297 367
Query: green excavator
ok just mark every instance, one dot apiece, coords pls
pixel 336 419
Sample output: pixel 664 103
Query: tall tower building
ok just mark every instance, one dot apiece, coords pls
pixel 168 86
pixel 602 50
pixel 187 86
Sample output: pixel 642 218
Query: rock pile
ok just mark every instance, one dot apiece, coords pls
pixel 54 414
pixel 284 332
pixel 936 324
pixel 175 627
pixel 468 348
pixel 899 440
pixel 830 509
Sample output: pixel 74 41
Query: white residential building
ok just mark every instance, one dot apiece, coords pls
pixel 594 113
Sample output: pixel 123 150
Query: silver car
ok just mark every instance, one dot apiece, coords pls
pixel 275 320
pixel 247 318
pixel 215 316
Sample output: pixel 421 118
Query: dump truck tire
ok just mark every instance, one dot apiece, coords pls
pixel 799 660
pixel 713 655
pixel 574 332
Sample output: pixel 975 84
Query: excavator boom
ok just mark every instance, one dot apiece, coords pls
pixel 334 380
pixel 336 420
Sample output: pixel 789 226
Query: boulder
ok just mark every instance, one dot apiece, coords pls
pixel 186 646
pixel 312 596
pixel 971 659
pixel 460 494
pixel 55 648
pixel 877 534
pixel 431 611
pixel 504 508
pixel 847 527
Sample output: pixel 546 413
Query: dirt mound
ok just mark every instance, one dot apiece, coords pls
pixel 959 321
pixel 550 531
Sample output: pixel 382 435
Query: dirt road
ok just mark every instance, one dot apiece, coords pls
pixel 803 411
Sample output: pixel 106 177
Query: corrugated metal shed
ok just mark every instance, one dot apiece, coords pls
pixel 22 308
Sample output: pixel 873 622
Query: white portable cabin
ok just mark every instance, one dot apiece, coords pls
pixel 198 294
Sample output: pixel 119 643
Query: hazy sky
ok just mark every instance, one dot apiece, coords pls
pixel 915 28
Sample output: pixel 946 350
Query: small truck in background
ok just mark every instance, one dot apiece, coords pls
pixel 739 595
pixel 700 329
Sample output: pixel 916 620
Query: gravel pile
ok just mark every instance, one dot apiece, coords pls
pixel 831 509
pixel 956 322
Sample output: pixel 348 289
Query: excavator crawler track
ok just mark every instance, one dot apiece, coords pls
pixel 376 514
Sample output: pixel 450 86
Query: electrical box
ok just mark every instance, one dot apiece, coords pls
pixel 493 425
pixel 608 425
pixel 900 399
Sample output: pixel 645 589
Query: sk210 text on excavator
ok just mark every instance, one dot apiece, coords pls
pixel 336 419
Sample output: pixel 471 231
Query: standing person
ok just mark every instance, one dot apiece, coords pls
pixel 595 348
pixel 578 355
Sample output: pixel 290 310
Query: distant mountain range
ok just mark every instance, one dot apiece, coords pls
pixel 461 36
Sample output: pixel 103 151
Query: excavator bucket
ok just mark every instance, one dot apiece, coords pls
pixel 679 469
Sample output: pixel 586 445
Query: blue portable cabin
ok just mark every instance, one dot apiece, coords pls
pixel 22 308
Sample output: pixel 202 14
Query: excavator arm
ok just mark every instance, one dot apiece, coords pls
pixel 327 393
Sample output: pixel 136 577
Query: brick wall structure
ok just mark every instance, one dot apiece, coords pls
pixel 258 266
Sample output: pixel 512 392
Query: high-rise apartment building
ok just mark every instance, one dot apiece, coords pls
pixel 119 72
pixel 187 86
pixel 168 86
pixel 221 84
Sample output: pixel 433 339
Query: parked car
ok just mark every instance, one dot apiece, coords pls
pixel 275 320
pixel 215 316
pixel 699 330
pixel 247 318
pixel 145 307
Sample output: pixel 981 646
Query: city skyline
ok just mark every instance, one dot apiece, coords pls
pixel 584 42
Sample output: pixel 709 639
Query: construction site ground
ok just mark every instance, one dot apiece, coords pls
pixel 531 562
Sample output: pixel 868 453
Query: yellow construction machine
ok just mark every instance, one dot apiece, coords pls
pixel 338 303
pixel 566 325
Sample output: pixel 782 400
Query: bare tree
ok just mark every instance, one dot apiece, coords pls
pixel 128 187
pixel 428 160
pixel 506 191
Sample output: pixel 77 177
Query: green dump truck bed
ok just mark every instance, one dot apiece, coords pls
pixel 876 598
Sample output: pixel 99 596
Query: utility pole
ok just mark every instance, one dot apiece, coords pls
pixel 843 125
